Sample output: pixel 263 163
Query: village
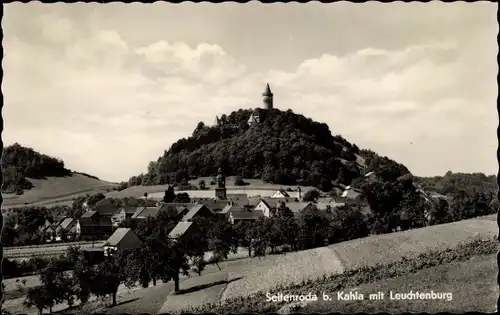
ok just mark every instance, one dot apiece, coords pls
pixel 104 219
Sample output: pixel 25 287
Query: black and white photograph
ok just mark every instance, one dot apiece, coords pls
pixel 249 158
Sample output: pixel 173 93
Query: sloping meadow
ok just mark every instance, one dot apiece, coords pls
pixel 356 262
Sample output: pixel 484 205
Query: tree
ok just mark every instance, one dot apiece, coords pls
pixel 169 195
pixel 83 273
pixel 136 266
pixel 440 213
pixel 171 254
pixel 182 198
pixel 245 233
pixel 347 223
pixel 39 298
pixel 107 278
pixel 238 181
pixel 52 281
pixel 313 227
pixel 202 184
pixel 311 195
pixel 199 264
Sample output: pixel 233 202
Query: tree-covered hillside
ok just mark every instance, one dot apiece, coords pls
pixel 284 148
pixel 454 183
pixel 20 163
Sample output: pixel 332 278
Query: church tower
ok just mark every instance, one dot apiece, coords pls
pixel 268 97
pixel 220 191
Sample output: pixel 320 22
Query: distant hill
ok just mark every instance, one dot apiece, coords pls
pixel 33 178
pixel 454 183
pixel 283 148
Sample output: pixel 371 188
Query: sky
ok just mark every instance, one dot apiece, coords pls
pixel 108 88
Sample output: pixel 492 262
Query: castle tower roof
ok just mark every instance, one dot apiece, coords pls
pixel 267 92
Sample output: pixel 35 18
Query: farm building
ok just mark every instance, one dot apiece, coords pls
pixel 143 213
pixel 70 228
pixel 185 231
pixel 94 225
pixel 298 207
pixel 197 210
pixel 280 193
pixel 123 214
pixel 122 238
pixel 236 216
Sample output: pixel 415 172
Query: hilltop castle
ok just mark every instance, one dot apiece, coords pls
pixel 268 104
pixel 267 100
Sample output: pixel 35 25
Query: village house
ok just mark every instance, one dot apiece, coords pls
pixel 196 211
pixel 350 193
pixel 50 232
pixel 233 207
pixel 298 207
pixel 328 203
pixel 122 238
pixel 143 213
pixel 235 212
pixel 106 209
pixel 280 193
pixel 93 225
pixel 269 205
pixel 69 229
pixel 236 216
pixel 185 231
pixel 214 204
pixel 123 214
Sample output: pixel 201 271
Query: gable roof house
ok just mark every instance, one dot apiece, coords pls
pixel 197 210
pixel 298 207
pixel 280 193
pixel 123 214
pixel 70 228
pixel 325 203
pixel 50 228
pixel 106 209
pixel 350 193
pixel 213 204
pixel 269 205
pixel 95 225
pixel 233 207
pixel 143 213
pixel 185 231
pixel 236 216
pixel 122 238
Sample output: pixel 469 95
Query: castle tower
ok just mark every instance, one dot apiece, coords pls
pixel 268 97
pixel 220 191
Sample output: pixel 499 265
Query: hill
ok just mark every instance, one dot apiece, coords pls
pixel 33 178
pixel 283 148
pixel 455 183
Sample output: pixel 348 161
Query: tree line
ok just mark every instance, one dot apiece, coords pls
pixel 20 163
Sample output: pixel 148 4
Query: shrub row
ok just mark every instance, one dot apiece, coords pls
pixel 256 303
pixel 13 268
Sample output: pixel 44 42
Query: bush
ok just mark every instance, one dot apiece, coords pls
pixel 238 181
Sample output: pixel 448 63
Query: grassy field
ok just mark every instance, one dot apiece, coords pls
pixel 391 247
pixel 472 283
pixel 57 190
pixel 252 184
